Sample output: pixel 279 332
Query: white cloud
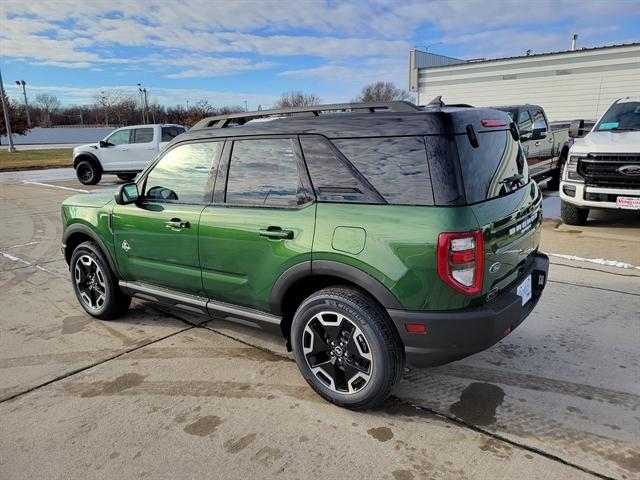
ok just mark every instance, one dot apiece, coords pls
pixel 164 96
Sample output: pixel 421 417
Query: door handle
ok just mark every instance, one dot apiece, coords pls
pixel 177 223
pixel 277 233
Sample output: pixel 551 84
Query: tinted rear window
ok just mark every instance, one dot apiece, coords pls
pixel 397 167
pixel 333 178
pixel 485 169
pixel 169 133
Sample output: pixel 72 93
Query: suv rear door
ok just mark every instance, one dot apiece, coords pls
pixel 261 221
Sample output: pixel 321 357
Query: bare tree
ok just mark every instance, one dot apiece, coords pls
pixel 297 99
pixel 49 104
pixel 382 92
pixel 118 105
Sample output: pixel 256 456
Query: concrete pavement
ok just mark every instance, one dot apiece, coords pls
pixel 161 394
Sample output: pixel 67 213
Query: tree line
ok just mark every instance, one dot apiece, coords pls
pixel 116 108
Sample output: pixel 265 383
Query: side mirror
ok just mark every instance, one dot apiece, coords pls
pixel 576 129
pixel 104 144
pixel 127 193
pixel 539 131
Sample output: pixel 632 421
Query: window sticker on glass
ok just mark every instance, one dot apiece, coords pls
pixel 609 125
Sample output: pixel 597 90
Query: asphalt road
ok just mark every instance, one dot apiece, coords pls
pixel 161 394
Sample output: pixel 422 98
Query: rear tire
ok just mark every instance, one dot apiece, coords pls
pixel 346 348
pixel 572 215
pixel 88 172
pixel 127 177
pixel 95 285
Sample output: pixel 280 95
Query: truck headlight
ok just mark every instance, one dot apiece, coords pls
pixel 571 170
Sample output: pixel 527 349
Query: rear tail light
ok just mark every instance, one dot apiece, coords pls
pixel 461 261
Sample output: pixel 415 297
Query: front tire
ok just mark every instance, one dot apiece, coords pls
pixel 572 215
pixel 95 285
pixel 88 172
pixel 346 348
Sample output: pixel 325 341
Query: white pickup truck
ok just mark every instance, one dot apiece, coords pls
pixel 603 169
pixel 125 152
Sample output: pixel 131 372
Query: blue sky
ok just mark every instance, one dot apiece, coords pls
pixel 232 51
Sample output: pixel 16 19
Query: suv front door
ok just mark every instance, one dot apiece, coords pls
pixel 260 225
pixel 156 239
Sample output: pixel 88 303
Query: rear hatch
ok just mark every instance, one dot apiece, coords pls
pixel 506 203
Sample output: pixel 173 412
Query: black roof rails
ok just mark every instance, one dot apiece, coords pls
pixel 240 118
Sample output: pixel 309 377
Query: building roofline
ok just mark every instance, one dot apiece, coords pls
pixel 533 55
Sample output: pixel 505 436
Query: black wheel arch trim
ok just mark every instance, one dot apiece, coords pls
pixel 83 229
pixel 335 269
pixel 77 159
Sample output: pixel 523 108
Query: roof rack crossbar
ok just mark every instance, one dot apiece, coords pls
pixel 240 118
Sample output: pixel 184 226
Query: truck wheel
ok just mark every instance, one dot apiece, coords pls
pixel 95 285
pixel 346 348
pixel 88 172
pixel 572 215
pixel 127 177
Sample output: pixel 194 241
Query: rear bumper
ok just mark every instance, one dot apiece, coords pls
pixel 455 334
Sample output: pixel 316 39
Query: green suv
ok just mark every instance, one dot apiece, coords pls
pixel 367 235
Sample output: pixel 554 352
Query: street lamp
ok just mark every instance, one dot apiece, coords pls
pixel 7 116
pixel 246 108
pixel 26 104
pixel 145 103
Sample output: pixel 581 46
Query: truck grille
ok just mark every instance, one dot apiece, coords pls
pixel 602 171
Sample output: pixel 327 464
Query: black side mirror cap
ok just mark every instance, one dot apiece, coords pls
pixel 127 193
pixel 103 144
pixel 576 129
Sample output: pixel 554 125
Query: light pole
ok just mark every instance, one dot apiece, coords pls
pixel 26 104
pixel 7 116
pixel 246 109
pixel 142 94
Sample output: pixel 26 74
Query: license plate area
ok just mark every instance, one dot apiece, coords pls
pixel 631 203
pixel 524 290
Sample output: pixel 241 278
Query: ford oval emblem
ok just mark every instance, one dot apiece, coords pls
pixel 495 267
pixel 631 170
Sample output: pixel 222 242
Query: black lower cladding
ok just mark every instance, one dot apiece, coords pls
pixel 455 334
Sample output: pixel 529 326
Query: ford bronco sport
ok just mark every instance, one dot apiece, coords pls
pixel 372 236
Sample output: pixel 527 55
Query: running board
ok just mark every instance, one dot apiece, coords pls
pixel 203 306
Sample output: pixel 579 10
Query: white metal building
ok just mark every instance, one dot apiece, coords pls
pixel 569 85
